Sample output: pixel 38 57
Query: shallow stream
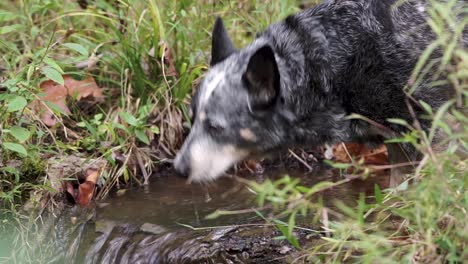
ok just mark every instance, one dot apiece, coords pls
pixel 165 223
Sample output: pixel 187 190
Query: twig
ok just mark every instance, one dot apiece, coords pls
pixel 347 152
pixel 385 131
pixel 300 160
pixel 240 226
pixel 392 166
pixel 142 167
pixel 326 224
pixel 46 128
pixel 242 211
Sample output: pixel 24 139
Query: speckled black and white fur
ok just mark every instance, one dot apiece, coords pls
pixel 297 82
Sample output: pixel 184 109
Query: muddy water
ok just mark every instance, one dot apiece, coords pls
pixel 150 225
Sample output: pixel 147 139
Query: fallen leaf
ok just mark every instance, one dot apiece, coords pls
pixel 64 168
pixel 152 228
pixel 86 189
pixel 345 151
pixel 168 60
pixel 284 250
pixel 85 193
pixel 254 166
pixel 57 94
pixel 121 192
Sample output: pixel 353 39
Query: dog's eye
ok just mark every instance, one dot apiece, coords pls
pixel 213 127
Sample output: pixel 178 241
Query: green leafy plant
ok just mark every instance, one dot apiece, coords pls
pixel 430 213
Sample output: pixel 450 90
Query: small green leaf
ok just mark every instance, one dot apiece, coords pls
pixel 426 107
pixel 98 117
pixel 398 121
pixel 128 118
pixel 378 194
pixel 154 130
pixel 10 28
pixel 77 47
pixel 20 133
pixel 342 166
pixel 445 243
pixel 140 134
pixel 40 53
pixel 302 189
pixel 18 148
pixel 7 16
pixel 35 31
pixel 397 140
pixel 403 186
pixel 31 69
pixel 283 228
pixel 126 174
pixel 53 74
pixel 213 215
pixel 320 186
pixel 16 104
pixel 120 126
pixel 329 239
pixel 289 236
pixel 346 209
pixel 292 223
pixel 144 111
pixel 13 171
pixel 422 61
pixel 53 64
pixel 8 169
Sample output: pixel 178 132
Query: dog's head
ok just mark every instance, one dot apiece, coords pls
pixel 235 111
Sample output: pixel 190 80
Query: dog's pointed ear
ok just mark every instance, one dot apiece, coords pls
pixel 221 44
pixel 262 78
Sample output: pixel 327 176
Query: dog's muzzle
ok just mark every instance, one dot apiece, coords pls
pixel 201 159
pixel 182 166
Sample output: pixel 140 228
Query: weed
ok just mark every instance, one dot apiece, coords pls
pixel 148 56
pixel 424 221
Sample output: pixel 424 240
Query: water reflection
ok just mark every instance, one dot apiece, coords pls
pixel 142 226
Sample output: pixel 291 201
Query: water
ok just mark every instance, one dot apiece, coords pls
pixel 165 223
pixel 147 225
pixel 169 200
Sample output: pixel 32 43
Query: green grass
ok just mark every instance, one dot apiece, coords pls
pixel 128 42
pixel 145 108
pixel 424 220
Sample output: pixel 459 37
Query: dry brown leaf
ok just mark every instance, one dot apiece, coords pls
pixel 168 60
pixel 85 193
pixel 344 152
pixel 57 94
pixel 86 189
pixel 254 166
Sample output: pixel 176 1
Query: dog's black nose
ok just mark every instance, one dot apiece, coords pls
pixel 182 167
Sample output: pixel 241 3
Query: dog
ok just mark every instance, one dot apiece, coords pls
pixel 297 83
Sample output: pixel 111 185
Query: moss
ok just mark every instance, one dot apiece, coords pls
pixel 31 169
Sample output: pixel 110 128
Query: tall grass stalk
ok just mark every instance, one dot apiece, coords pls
pixel 425 219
